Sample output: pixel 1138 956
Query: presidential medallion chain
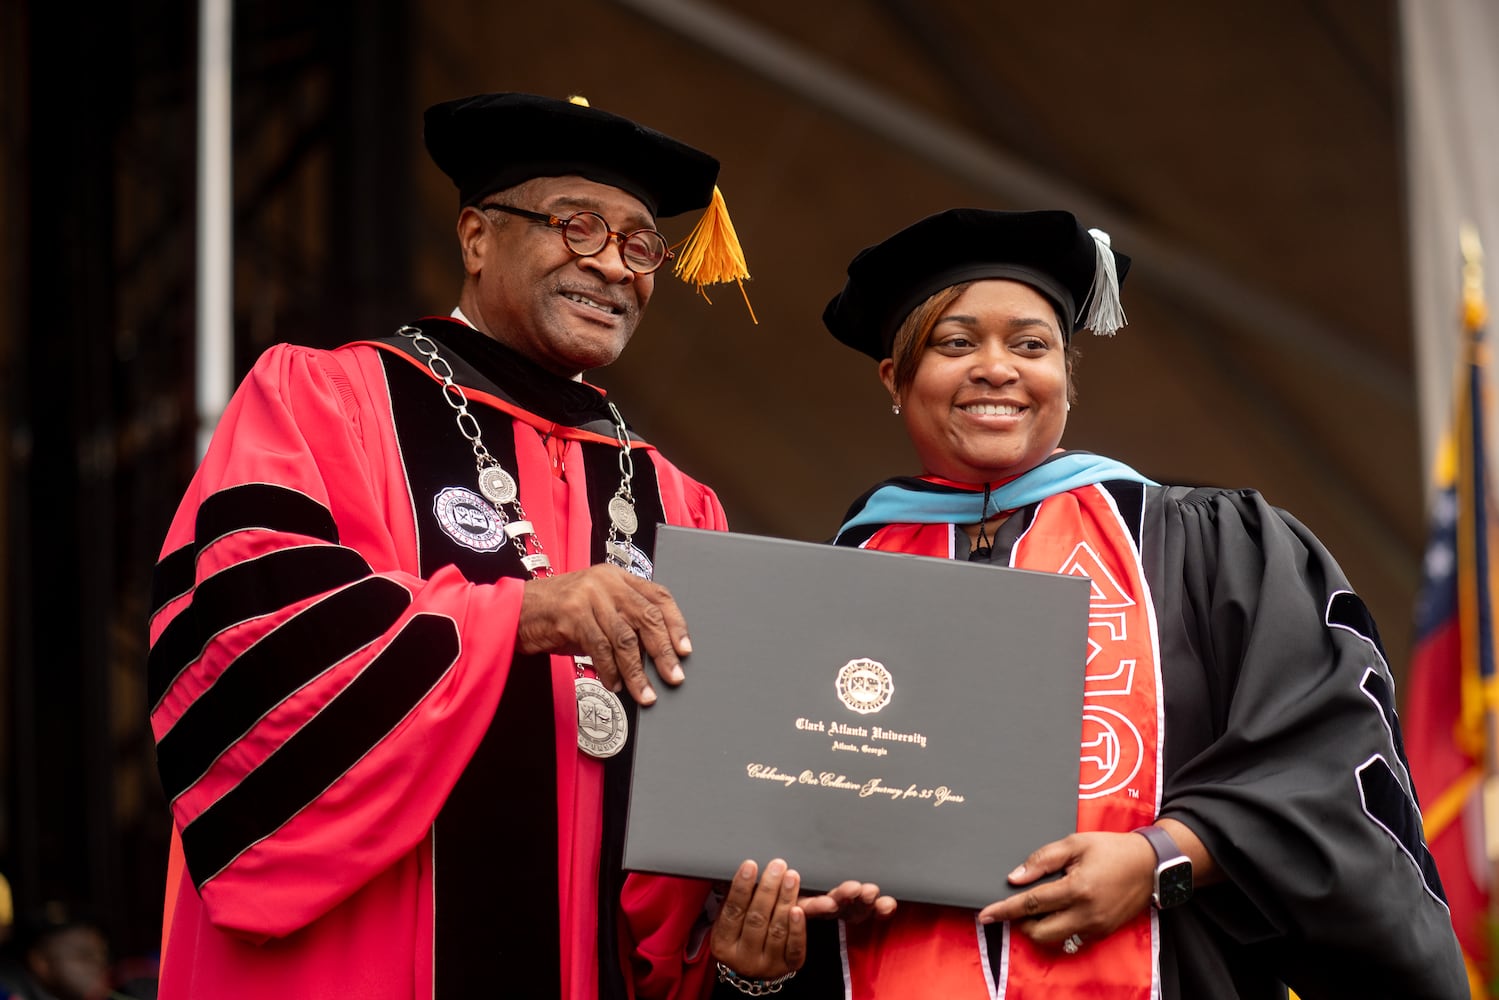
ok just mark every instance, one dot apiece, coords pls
pixel 602 726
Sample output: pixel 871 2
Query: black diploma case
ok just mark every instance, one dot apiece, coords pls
pixel 865 715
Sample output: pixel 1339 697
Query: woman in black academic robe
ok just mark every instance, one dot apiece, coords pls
pixel 1246 819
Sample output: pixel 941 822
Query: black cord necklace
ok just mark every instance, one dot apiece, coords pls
pixel 985 544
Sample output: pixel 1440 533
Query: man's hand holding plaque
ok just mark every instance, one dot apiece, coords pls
pixel 759 938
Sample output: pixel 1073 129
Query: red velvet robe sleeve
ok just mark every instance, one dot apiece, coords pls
pixel 301 538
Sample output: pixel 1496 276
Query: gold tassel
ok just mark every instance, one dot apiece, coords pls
pixel 711 254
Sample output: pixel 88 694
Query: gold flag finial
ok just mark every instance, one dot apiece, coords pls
pixel 1475 310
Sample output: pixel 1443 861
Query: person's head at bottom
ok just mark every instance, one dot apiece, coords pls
pixel 971 315
pixel 558 204
pixel 66 955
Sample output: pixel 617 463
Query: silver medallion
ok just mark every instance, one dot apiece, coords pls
pixel 497 485
pixel 622 514
pixel 602 727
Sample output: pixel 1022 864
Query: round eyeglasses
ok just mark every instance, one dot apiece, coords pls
pixel 587 233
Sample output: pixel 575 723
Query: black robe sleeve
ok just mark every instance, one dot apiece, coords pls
pixel 1284 756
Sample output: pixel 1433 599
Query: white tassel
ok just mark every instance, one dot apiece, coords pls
pixel 1105 313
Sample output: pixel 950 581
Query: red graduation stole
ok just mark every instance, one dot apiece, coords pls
pixel 940 951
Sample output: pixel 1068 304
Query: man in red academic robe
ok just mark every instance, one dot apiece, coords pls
pixel 384 743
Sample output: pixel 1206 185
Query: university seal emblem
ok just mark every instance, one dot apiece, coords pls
pixel 468 519
pixel 864 686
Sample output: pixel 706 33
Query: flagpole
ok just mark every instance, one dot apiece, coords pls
pixel 1475 317
pixel 215 263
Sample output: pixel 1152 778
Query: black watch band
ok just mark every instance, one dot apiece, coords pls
pixel 1173 869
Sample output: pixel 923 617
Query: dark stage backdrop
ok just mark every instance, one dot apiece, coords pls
pixel 1248 155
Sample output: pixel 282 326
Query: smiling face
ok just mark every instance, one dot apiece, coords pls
pixel 527 290
pixel 988 396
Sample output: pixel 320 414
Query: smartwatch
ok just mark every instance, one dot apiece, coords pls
pixel 1173 869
